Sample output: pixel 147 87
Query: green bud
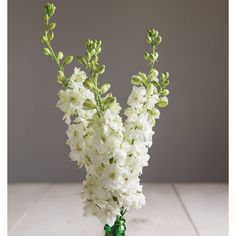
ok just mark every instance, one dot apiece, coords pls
pixel 52 26
pixel 146 56
pixel 149 88
pixel 158 40
pixel 50 36
pixel 60 77
pixel 155 55
pixel 88 56
pixel 103 138
pixel 67 60
pixel 153 74
pixel 163 102
pixel 143 76
pixel 136 80
pixel 154 112
pixel 46 51
pixel 156 84
pixel 100 69
pixel 105 88
pixel 61 73
pixel 163 76
pixel 165 83
pixel 60 55
pixel 110 101
pixel 165 92
pixel 151 58
pixel 99 43
pixel 88 85
pixel 98 50
pixel 43 39
pixel 88 104
pixel 49 9
pixel 107 96
pixel 82 60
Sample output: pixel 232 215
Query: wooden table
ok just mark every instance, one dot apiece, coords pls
pixel 171 210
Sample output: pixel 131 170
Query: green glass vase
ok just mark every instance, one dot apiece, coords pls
pixel 118 229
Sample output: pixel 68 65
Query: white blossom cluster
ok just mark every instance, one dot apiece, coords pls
pixel 112 153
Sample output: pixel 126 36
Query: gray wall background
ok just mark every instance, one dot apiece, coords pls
pixel 191 141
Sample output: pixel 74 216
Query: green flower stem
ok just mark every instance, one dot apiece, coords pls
pixel 49 10
pixel 153 63
pixel 54 57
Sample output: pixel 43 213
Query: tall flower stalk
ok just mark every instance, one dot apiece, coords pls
pixel 113 152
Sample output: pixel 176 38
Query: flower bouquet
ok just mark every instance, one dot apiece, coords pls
pixel 113 152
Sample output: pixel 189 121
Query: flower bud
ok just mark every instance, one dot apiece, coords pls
pixel 88 85
pixel 60 77
pixel 82 60
pixel 52 26
pixel 88 104
pixel 146 56
pixel 163 102
pixel 43 39
pixel 110 101
pixel 143 76
pixel 153 74
pixel 100 69
pixel 50 36
pixel 165 92
pixel 60 55
pixel 136 80
pixel 105 88
pixel 49 9
pixel 67 60
pixel 46 51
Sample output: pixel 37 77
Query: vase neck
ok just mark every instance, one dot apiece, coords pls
pixel 118 229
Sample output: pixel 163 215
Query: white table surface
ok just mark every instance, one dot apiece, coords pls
pixel 171 210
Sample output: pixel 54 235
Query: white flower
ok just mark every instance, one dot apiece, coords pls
pixel 112 152
pixel 69 101
pixel 152 101
pixel 78 77
pixel 112 177
pixel 137 97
